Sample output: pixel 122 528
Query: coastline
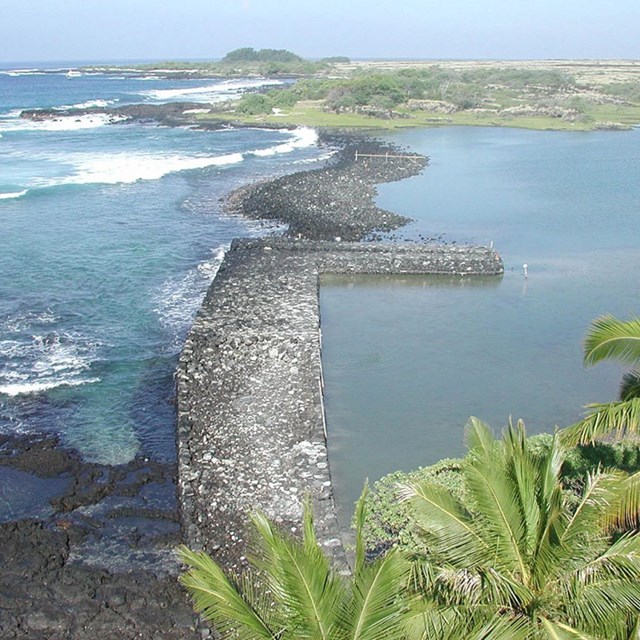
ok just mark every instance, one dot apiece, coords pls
pixel 66 560
pixel 135 602
pixel 251 424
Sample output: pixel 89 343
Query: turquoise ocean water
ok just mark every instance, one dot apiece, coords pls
pixel 403 377
pixel 109 237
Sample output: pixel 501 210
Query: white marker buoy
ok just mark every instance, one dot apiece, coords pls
pixel 524 267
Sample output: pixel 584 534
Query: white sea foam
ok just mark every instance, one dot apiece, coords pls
pixel 23 72
pixel 178 299
pixel 13 195
pixel 300 138
pixel 26 321
pixel 38 387
pixel 61 123
pixel 32 364
pixel 208 93
pixel 93 103
pixel 114 168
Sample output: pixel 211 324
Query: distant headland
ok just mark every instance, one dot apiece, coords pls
pixel 388 94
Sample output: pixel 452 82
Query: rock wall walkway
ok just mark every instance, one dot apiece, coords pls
pixel 251 426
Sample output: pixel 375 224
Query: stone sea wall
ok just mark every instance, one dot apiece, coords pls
pixel 251 426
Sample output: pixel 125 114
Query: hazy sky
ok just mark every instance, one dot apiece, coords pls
pixel 39 30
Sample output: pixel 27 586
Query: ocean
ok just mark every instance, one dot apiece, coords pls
pixel 110 234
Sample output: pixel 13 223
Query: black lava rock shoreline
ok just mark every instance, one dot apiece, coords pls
pixel 239 447
pixel 336 201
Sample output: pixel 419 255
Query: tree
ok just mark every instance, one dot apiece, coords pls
pixel 294 592
pixel 609 338
pixel 522 549
pixel 254 104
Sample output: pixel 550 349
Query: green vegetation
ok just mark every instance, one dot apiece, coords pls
pixel 524 538
pixel 247 61
pixel 294 592
pixel 248 54
pixel 391 96
pixel 504 550
pixel 609 338
pixel 336 92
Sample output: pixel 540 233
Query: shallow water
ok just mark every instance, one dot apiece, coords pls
pixel 408 360
pixel 110 236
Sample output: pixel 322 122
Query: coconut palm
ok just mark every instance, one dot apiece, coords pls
pixel 522 549
pixel 610 338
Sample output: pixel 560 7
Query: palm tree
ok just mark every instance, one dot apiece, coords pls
pixel 609 338
pixel 293 592
pixel 524 550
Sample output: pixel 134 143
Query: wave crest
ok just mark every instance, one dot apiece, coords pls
pixel 13 194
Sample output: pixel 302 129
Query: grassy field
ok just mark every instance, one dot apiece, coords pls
pixel 566 95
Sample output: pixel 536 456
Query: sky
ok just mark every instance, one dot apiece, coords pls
pixel 87 30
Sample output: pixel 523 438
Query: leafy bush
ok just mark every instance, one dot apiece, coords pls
pixel 283 98
pixel 388 523
pixel 252 104
pixel 249 54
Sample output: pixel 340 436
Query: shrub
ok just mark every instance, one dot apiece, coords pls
pixel 252 104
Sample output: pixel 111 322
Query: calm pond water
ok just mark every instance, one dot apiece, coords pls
pixel 408 359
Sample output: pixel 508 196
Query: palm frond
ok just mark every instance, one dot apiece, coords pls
pixel 610 338
pixel 219 600
pixel 560 631
pixel 630 386
pixel 614 419
pixel 604 593
pixel 502 627
pixel 497 502
pixel 486 587
pixel 479 437
pixel 301 579
pixel 377 608
pixel 359 520
pixel 448 526
pixel 525 474
pixel 624 511
pixel 602 492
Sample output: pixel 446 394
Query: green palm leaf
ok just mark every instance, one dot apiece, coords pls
pixel 300 577
pixel 446 523
pixel 218 599
pixel 630 386
pixel 560 631
pixel 615 419
pixel 601 495
pixel 624 511
pixel 375 609
pixel 497 502
pixel 610 338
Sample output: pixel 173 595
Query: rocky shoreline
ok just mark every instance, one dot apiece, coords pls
pixel 101 562
pixel 336 201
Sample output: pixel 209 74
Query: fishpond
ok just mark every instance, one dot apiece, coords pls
pixel 408 359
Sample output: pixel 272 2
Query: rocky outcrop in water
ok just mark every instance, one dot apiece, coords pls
pixel 335 201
